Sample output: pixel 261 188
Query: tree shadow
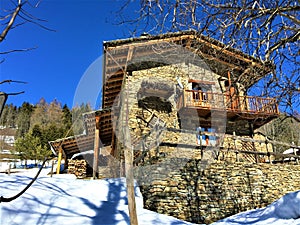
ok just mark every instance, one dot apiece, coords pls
pixel 110 212
pixel 52 202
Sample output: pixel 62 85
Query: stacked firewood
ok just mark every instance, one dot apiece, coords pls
pixel 77 167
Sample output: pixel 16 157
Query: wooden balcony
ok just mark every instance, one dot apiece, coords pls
pixel 235 108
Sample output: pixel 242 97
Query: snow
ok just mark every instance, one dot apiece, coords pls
pixel 63 199
pixel 290 151
pixel 284 211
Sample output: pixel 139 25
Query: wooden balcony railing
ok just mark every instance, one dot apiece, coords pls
pixel 231 103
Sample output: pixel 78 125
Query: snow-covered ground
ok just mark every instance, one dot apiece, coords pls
pixel 72 201
pixel 284 211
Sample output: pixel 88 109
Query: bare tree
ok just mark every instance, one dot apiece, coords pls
pixel 268 30
pixel 16 13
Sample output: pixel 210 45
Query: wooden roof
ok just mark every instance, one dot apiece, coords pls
pixel 85 142
pixel 150 51
pixel 104 119
pixel 72 145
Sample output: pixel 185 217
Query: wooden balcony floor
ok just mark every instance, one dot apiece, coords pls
pixel 234 120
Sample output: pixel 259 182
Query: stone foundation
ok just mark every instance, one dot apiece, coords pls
pixel 203 192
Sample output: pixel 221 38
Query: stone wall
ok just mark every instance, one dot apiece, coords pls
pixel 163 105
pixel 204 192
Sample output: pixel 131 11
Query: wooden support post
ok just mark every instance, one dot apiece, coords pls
pixel 130 185
pixel 128 151
pixel 66 161
pixel 96 149
pixel 59 160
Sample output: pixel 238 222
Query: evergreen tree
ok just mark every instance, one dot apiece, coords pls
pixel 54 113
pixel 67 120
pixel 4 116
pixel 30 147
pixel 23 118
pixel 11 116
pixel 39 124
pixel 39 115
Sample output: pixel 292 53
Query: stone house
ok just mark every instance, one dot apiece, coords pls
pixel 175 93
pixel 159 91
pixel 179 102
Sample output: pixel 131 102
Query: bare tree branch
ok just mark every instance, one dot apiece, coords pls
pixel 17 50
pixel 268 30
pixel 11 21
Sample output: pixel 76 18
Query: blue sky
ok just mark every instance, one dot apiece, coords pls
pixel 54 69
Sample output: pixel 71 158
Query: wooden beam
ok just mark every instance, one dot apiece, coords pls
pixel 130 185
pixel 115 79
pixel 228 52
pixel 201 81
pixel 96 149
pixel 113 91
pixel 150 42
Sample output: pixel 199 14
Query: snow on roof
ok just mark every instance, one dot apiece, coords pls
pixel 83 153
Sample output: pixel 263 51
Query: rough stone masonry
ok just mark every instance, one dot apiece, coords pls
pixel 206 193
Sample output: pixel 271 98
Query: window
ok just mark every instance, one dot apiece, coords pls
pixel 201 90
